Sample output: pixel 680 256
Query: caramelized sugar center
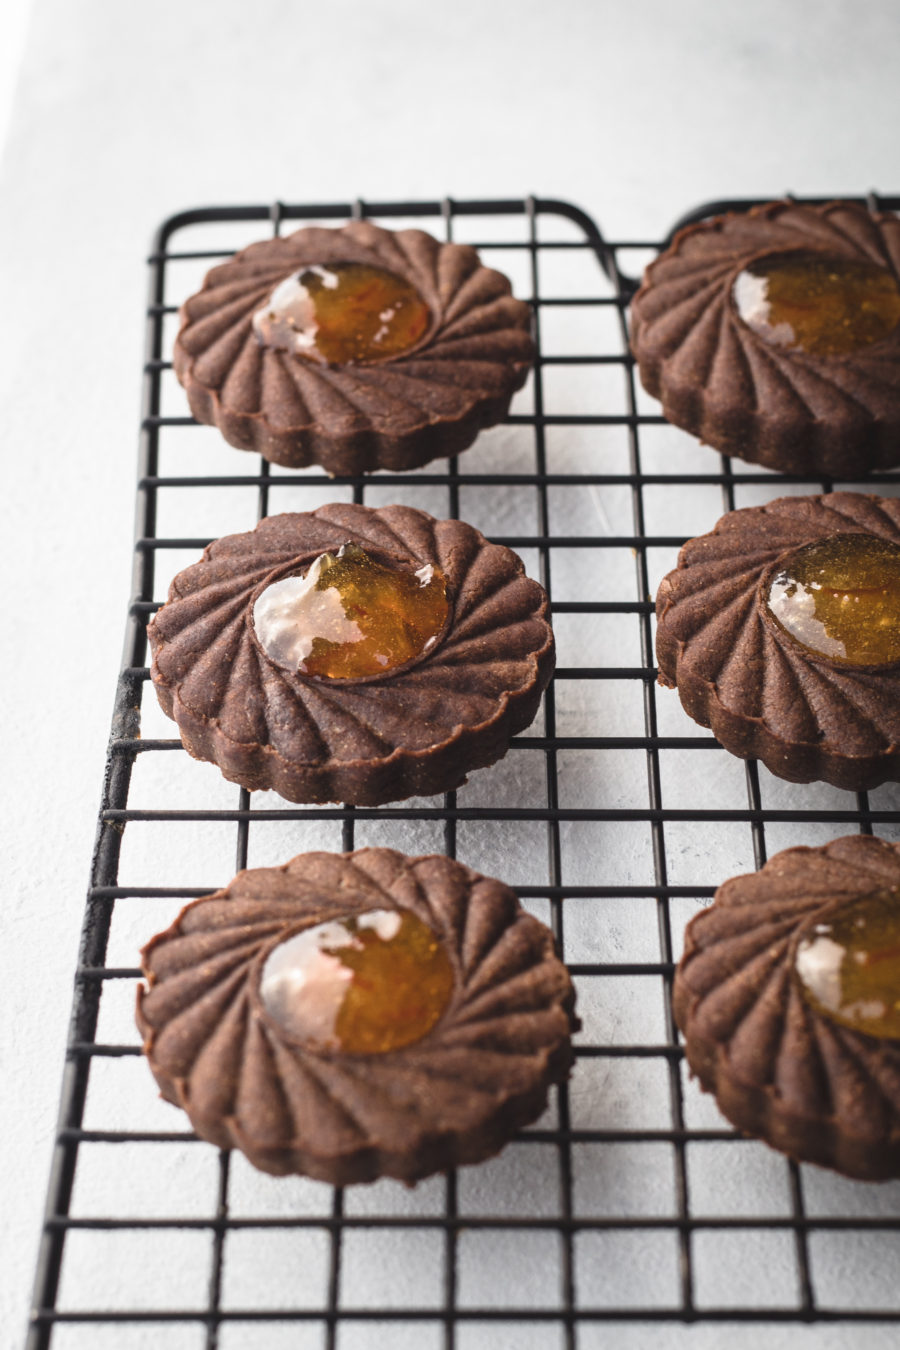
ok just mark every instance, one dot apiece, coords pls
pixel 350 617
pixel 849 966
pixel 810 303
pixel 343 313
pixel 364 984
pixel 840 597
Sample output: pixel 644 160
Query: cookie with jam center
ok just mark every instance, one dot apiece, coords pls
pixel 781 632
pixel 358 348
pixel 788 995
pixel 352 654
pixel 774 335
pixel 350 1016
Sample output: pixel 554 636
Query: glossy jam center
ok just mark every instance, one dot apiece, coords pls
pixel 849 966
pixel 810 303
pixel 364 984
pixel 350 617
pixel 840 597
pixel 343 313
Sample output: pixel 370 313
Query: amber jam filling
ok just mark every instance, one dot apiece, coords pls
pixel 350 617
pixel 811 303
pixel 849 965
pixel 364 984
pixel 343 313
pixel 840 597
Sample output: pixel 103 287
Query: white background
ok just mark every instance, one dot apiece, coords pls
pixel 127 112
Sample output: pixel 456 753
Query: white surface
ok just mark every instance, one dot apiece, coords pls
pixel 13 27
pixel 125 114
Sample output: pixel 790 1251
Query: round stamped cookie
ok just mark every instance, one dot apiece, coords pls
pixel 352 654
pixel 781 631
pixel 774 335
pixel 788 995
pixel 357 349
pixel 350 1016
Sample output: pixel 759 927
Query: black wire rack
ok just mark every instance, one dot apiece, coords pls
pixel 630 1206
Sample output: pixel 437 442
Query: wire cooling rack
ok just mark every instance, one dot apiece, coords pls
pixel 630 1214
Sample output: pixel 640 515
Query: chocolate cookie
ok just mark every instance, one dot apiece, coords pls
pixel 356 349
pixel 773 335
pixel 352 654
pixel 781 632
pixel 357 1015
pixel 788 995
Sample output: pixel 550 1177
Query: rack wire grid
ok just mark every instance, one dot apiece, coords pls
pixel 630 1213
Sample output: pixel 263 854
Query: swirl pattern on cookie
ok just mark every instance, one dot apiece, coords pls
pixel 288 1094
pixel 784 1061
pixel 358 348
pixel 774 335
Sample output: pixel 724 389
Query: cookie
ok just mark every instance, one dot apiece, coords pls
pixel 357 349
pixel 774 335
pixel 351 1016
pixel 352 654
pixel 781 632
pixel 788 995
